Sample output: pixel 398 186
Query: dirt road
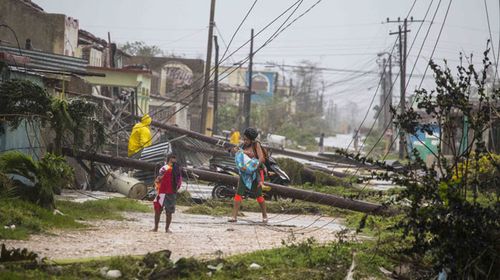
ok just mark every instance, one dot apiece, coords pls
pixel 193 235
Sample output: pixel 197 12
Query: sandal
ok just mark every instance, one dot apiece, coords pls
pixel 264 220
pixel 232 220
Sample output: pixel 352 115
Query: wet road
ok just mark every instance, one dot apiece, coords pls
pixel 193 236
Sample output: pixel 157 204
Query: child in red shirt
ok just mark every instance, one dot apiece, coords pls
pixel 170 182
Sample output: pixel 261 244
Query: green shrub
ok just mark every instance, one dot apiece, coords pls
pixel 46 176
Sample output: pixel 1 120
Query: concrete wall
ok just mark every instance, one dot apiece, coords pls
pixel 143 93
pixel 157 64
pixel 95 58
pixel 48 32
pixel 138 81
pixel 71 27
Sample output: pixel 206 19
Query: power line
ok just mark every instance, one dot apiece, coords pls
pixel 439 36
pixel 243 61
pixel 411 47
pixel 205 85
pixel 237 29
pixel 274 36
pixel 442 26
pixel 378 84
pixel 399 73
pixel 289 24
pixel 386 99
pixel 227 47
pixel 246 59
pixel 437 40
pixel 492 42
pixel 374 94
pixel 345 80
pixel 330 69
pixel 498 54
pixel 211 71
pixel 268 41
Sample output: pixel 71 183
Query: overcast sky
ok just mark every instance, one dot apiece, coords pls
pixel 336 34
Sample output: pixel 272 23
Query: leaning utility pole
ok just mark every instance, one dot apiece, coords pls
pixel 389 84
pixel 216 86
pixel 204 102
pixel 383 102
pixel 388 90
pixel 248 95
pixel 402 102
pixel 402 79
pixel 403 54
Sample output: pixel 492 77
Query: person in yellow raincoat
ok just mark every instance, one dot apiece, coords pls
pixel 235 137
pixel 140 137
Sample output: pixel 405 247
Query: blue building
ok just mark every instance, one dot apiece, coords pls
pixel 263 86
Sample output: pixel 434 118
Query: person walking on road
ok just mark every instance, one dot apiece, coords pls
pixel 170 181
pixel 355 138
pixel 250 160
pixel 321 143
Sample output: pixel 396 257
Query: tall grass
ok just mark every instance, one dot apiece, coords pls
pixel 29 218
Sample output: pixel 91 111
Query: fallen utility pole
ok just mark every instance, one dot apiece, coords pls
pixel 309 170
pixel 226 145
pixel 310 196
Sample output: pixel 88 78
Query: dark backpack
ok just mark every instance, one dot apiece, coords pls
pixel 264 151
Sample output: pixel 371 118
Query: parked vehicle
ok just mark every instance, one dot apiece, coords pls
pixel 276 141
pixel 276 175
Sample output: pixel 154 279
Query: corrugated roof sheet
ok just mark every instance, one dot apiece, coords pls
pixel 158 152
pixel 49 61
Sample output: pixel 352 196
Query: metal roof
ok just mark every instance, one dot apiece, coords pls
pixel 49 61
pixel 186 157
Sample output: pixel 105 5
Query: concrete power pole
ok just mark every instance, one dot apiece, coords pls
pixel 402 79
pixel 383 96
pixel 248 95
pixel 403 54
pixel 208 62
pixel 216 86
pixel 385 117
pixel 389 83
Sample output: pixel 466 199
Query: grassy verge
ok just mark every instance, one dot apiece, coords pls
pixel 305 260
pixel 104 209
pixel 29 218
pixel 286 206
pixel 358 193
pixel 224 207
pixel 294 261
